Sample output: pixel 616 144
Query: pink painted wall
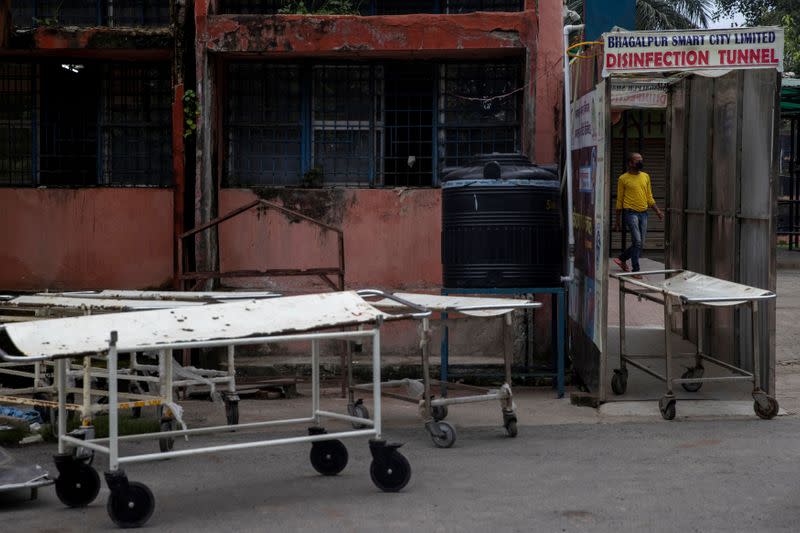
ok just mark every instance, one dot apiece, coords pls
pixel 85 238
pixel 392 236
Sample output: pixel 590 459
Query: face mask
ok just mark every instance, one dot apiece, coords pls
pixel 639 165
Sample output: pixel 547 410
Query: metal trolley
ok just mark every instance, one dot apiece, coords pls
pixel 147 384
pixel 434 410
pixel 679 291
pixel 289 319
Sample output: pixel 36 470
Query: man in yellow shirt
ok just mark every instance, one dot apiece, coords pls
pixel 634 197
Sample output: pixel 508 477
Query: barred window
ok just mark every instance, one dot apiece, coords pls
pixel 263 125
pixel 479 110
pixel 129 13
pixel 376 7
pixel 390 124
pixel 85 124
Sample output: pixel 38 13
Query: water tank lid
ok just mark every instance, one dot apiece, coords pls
pixel 542 184
pixel 499 167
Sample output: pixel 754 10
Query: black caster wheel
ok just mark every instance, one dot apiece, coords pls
pixel 328 457
pixel 132 506
pixel 692 373
pixel 232 412
pixel 78 485
pixel 445 437
pixel 619 382
pixel 770 412
pixel 360 410
pixel 667 408
pixel 392 473
pixel 166 444
pixel 439 412
pixel 511 427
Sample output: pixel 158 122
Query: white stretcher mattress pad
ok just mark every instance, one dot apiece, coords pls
pixel 466 305
pixel 694 286
pixel 138 330
pixel 100 304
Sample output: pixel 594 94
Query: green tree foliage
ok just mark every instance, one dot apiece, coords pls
pixel 665 14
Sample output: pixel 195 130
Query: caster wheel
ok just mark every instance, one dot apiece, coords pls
pixel 447 437
pixel 691 373
pixel 328 457
pixel 131 507
pixel 167 443
pixel 392 474
pixel 619 382
pixel 360 410
pixel 511 427
pixel 667 410
pixel 78 487
pixel 439 412
pixel 232 412
pixel 770 412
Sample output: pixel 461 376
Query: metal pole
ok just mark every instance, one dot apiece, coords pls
pixel 231 369
pixel 61 384
pixel 87 388
pixel 568 29
pixel 622 347
pixel 113 406
pixel 756 347
pixel 315 380
pixel 376 379
pixel 668 342
pixel 426 376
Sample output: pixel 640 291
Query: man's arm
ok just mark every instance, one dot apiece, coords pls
pixel 652 201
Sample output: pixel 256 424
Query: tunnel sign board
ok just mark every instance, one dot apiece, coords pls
pixel 662 51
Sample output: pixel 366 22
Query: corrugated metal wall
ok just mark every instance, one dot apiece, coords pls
pixel 723 190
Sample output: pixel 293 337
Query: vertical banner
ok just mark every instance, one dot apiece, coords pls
pixel 587 293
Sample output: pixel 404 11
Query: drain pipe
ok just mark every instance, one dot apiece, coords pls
pixel 568 29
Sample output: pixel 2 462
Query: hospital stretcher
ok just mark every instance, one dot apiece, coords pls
pixel 679 291
pixel 434 410
pixel 312 318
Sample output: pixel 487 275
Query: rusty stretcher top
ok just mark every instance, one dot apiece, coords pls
pixel 466 305
pixel 693 288
pixel 146 330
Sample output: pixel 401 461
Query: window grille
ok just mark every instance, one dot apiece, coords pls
pixel 263 128
pixel 479 110
pixel 29 13
pixel 378 7
pixel 85 124
pixel 378 124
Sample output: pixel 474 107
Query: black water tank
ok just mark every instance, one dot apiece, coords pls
pixel 501 224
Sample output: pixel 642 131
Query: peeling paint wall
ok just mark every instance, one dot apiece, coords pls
pixel 85 238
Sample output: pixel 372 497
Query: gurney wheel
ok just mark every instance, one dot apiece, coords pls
pixel 619 382
pixel 447 437
pixel 78 486
pixel 511 428
pixel 131 507
pixel 668 411
pixel 232 412
pixel 167 443
pixel 769 413
pixel 695 372
pixel 328 457
pixel 360 410
pixel 392 473
pixel 439 412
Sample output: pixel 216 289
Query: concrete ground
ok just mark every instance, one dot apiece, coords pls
pixel 571 469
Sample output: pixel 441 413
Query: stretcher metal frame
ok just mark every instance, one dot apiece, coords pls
pixel 131 504
pixel 84 303
pixel 432 410
pixel 765 406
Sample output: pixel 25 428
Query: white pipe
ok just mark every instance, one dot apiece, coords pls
pixel 568 29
